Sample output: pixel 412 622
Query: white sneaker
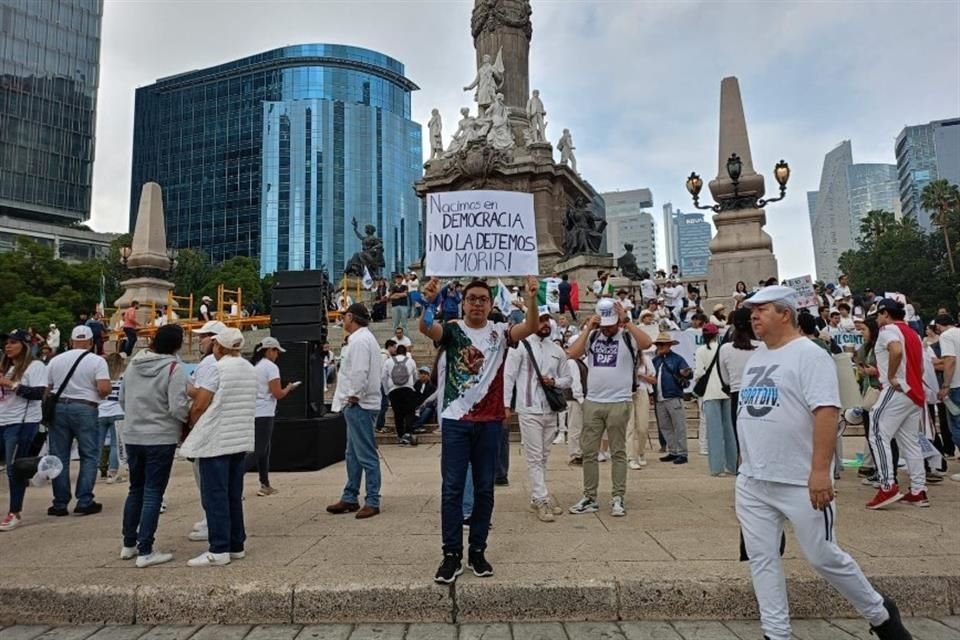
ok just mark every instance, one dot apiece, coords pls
pixel 635 465
pixel 128 553
pixel 157 557
pixel 10 522
pixel 586 505
pixel 209 560
pixel 200 525
pixel 617 509
pixel 955 477
pixel 238 555
pixel 603 456
pixel 163 506
pixel 560 439
pixel 198 535
pixel 545 513
pixel 642 462
pixel 704 452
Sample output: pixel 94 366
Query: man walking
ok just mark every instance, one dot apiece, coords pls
pixel 612 344
pixel 950 352
pixel 472 414
pixel 80 380
pixel 358 396
pixel 130 326
pixel 565 291
pixel 898 412
pixel 788 412
pixel 534 366
pixel 672 373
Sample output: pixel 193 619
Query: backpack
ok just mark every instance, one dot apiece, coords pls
pixel 633 354
pixel 399 375
pixel 567 393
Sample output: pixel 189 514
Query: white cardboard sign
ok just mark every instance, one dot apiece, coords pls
pixel 804 286
pixel 481 233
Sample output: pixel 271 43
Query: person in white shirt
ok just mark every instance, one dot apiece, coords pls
pixel 624 301
pixel 612 344
pixel 734 354
pixel 398 376
pixel 76 419
pixel 648 290
pixel 577 370
pixel 53 338
pixel 538 419
pixel 789 408
pixel 740 292
pixel 343 302
pixel 639 422
pixel 672 295
pixel 109 413
pixel 23 382
pixel 842 292
pixel 205 314
pixel 950 388
pixel 358 397
pixel 269 390
pixel 401 339
pixel 721 443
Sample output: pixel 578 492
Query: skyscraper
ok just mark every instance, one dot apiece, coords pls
pixel 688 241
pixel 847 192
pixel 629 222
pixel 925 153
pixel 273 156
pixel 49 75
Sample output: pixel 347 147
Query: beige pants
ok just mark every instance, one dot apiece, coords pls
pixel 637 426
pixel 574 428
pixel 610 417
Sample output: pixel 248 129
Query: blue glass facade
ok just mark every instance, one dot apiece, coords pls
pixel 49 73
pixel 272 156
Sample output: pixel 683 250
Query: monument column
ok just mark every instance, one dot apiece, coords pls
pixel 505 24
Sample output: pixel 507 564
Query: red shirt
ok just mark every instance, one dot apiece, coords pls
pixel 130 319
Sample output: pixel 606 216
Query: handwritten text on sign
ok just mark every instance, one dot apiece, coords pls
pixel 481 233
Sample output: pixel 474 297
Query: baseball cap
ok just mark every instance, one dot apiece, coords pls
pixel 81 332
pixel 206 299
pixel 230 338
pixel 889 304
pixel 710 329
pixel 212 327
pixel 359 311
pixel 773 293
pixel 424 369
pixel 944 320
pixel 271 343
pixel 607 311
pixel 543 310
pixel 19 335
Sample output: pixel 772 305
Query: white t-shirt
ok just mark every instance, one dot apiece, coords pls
pixel 16 409
pixel 780 390
pixel 648 289
pixel 888 334
pixel 672 295
pixel 842 292
pixel 266 403
pixel 611 367
pixel 206 375
pixel 83 382
pixel 405 341
pixel 204 311
pixel 950 346
pixel 110 407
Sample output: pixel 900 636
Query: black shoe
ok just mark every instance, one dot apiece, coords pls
pixel 893 628
pixel 420 430
pixel 680 460
pixel 58 511
pixel 481 568
pixel 502 482
pixel 89 510
pixel 412 440
pixel 866 472
pixel 670 457
pixel 450 568
pixel 577 461
pixel 402 440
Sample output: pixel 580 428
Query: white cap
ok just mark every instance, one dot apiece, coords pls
pixel 774 293
pixel 271 343
pixel 206 299
pixel 211 326
pixel 607 311
pixel 81 332
pixel 53 325
pixel 230 338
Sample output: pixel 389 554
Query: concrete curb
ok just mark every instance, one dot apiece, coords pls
pixel 470 601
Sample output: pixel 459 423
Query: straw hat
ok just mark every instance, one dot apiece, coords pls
pixel 664 338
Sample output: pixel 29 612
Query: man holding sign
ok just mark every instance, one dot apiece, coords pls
pixel 471 414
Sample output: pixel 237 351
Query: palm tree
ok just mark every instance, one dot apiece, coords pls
pixel 876 223
pixel 942 198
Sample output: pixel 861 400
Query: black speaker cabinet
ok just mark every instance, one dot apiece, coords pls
pixel 300 297
pixel 298 279
pixel 297 315
pixel 312 332
pixel 308 445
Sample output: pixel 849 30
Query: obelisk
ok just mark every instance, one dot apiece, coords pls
pixel 148 258
pixel 741 250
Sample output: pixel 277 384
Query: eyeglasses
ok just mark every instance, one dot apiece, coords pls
pixel 477 299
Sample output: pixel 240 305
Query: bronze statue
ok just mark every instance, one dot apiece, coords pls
pixel 369 256
pixel 627 264
pixel 583 231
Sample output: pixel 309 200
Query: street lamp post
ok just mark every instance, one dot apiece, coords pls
pixel 781 172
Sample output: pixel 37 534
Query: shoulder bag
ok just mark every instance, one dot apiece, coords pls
pixel 554 396
pixel 700 388
pixel 49 406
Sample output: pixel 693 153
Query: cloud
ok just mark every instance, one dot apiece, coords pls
pixel 637 83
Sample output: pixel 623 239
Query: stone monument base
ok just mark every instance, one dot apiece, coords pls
pixel 741 250
pixel 146 291
pixel 583 270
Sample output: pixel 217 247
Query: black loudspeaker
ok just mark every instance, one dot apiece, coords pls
pixel 299 302
pixel 303 296
pixel 302 361
pixel 299 279
pixel 283 316
pixel 308 445
pixel 313 332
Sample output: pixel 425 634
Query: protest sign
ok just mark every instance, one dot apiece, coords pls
pixel 804 286
pixel 481 233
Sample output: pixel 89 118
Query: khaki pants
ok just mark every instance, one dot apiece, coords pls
pixel 637 425
pixel 574 428
pixel 610 417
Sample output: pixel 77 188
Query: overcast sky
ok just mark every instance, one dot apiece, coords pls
pixel 637 83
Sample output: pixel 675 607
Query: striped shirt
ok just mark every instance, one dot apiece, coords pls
pixel 110 407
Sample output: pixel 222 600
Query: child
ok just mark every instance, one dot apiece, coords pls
pixel 109 413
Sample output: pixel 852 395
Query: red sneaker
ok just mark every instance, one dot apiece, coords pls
pixel 884 498
pixel 919 499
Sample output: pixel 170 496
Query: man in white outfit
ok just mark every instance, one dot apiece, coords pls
pixel 787 420
pixel 577 370
pixel 537 362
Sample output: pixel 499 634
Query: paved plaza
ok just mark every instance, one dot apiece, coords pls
pixel 674 556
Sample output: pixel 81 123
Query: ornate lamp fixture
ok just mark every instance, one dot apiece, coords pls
pixel 781 173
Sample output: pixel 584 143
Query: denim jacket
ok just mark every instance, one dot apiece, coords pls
pixel 672 383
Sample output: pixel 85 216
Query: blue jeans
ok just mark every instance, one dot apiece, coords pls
pixel 361 456
pixel 384 405
pixel 221 493
pixel 721 443
pixel 400 317
pixel 426 416
pixel 467 446
pixel 17 440
pixel 954 420
pixel 108 426
pixel 149 473
pixel 75 422
pixel 129 340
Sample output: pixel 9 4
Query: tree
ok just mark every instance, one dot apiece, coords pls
pixel 192 272
pixel 943 199
pixel 875 224
pixel 239 272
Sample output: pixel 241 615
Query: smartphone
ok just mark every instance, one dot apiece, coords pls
pixel 296 383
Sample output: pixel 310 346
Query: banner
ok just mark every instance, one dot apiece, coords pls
pixel 549 294
pixel 848 339
pixel 804 286
pixel 481 233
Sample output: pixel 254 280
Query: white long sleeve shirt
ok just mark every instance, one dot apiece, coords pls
pixel 576 380
pixel 360 366
pixel 519 373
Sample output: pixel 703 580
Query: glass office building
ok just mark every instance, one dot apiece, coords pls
pixel 925 153
pixel 273 157
pixel 49 74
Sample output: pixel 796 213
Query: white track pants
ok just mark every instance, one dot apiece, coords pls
pixel 896 416
pixel 537 432
pixel 762 507
pixel 574 428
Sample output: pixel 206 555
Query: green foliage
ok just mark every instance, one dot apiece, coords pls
pixel 192 273
pixel 31 311
pixel 239 272
pixel 266 290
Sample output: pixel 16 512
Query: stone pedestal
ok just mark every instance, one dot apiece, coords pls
pixel 583 270
pixel 146 291
pixel 741 250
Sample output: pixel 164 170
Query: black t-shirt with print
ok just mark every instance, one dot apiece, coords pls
pixel 399 288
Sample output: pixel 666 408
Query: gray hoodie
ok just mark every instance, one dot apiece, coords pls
pixel 154 399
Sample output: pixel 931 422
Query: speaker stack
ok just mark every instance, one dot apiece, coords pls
pixel 298 311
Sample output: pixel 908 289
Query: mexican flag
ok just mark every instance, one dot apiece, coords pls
pixel 549 294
